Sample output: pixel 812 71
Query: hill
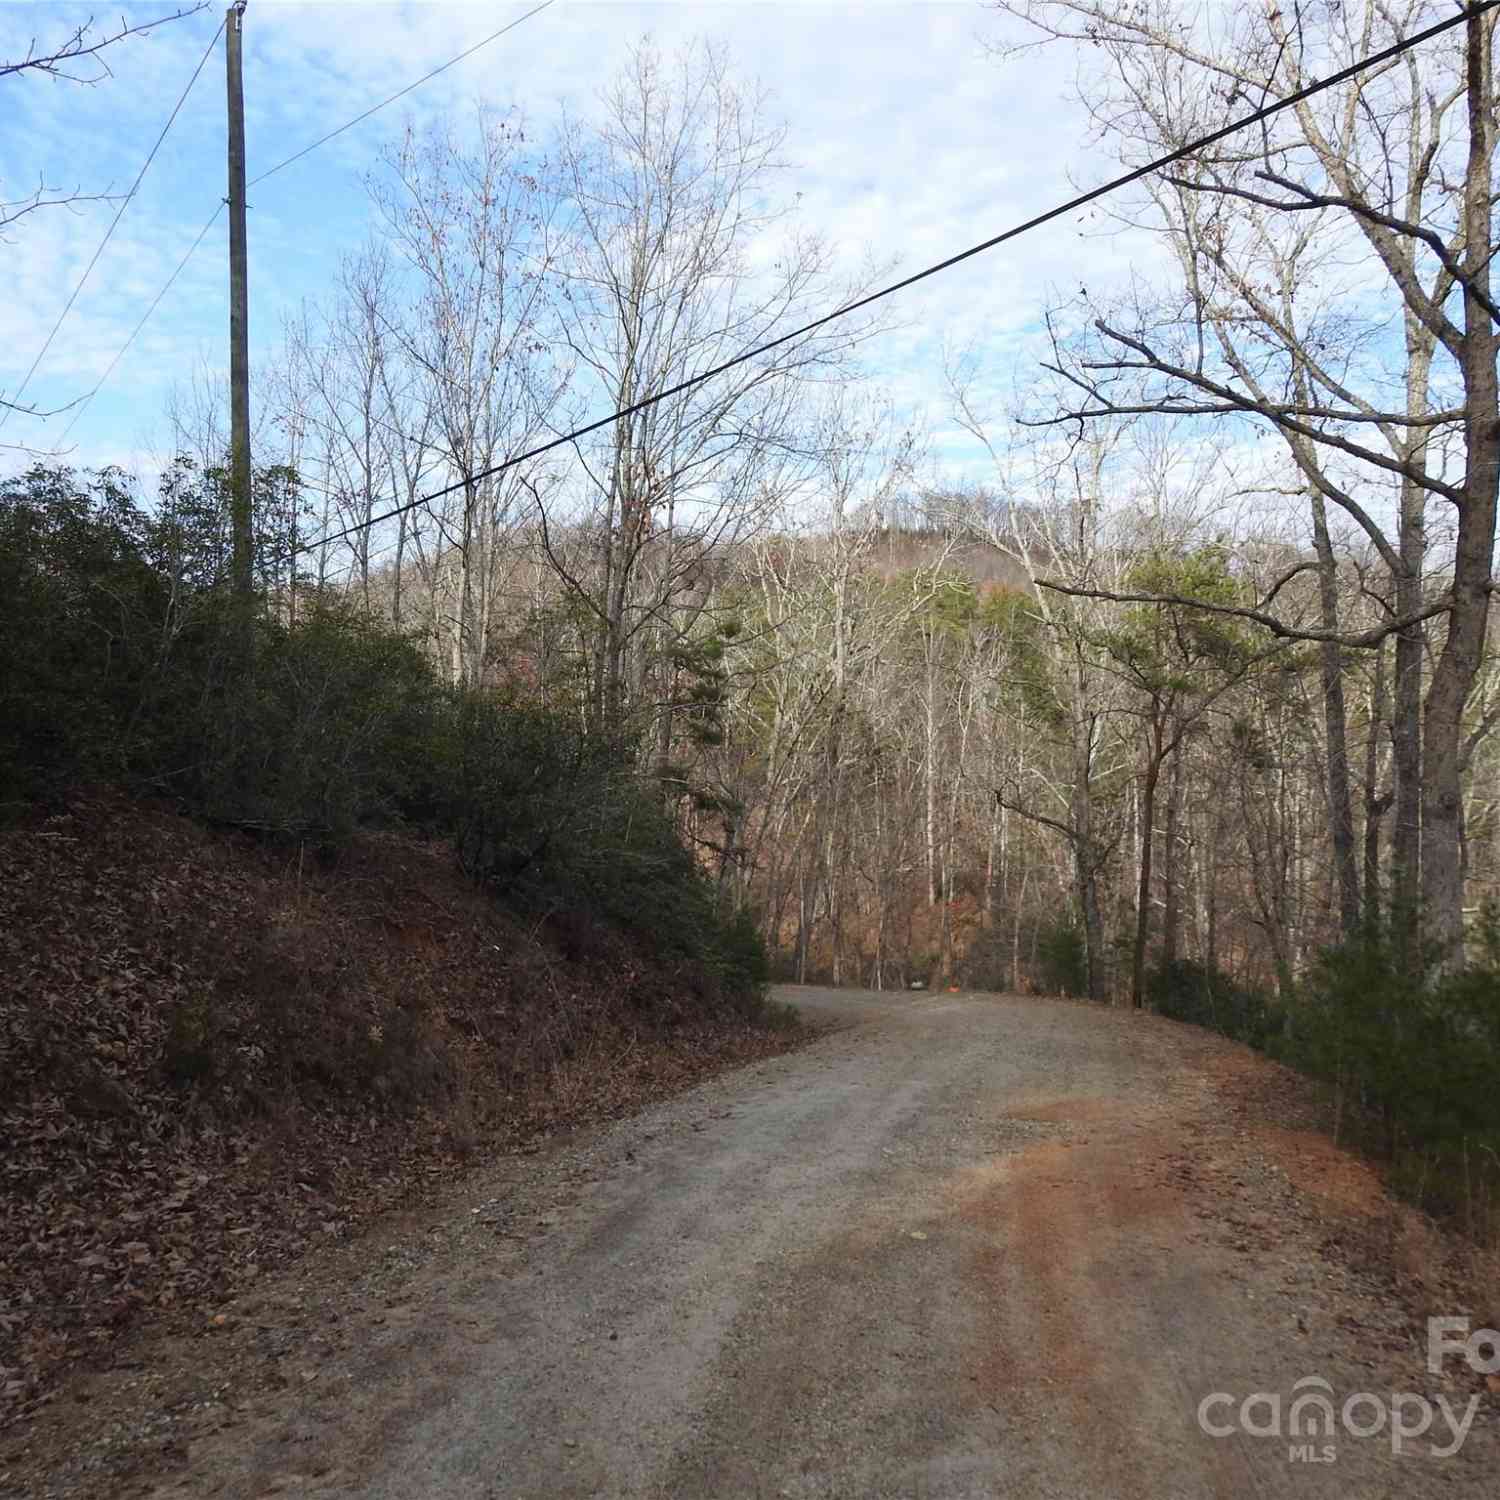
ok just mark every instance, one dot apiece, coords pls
pixel 986 565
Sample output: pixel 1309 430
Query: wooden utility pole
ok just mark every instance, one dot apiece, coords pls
pixel 240 514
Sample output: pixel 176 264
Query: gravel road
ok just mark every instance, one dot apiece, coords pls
pixel 960 1246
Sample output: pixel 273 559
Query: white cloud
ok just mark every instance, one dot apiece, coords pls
pixel 908 141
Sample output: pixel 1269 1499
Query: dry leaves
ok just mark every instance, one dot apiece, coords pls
pixel 218 1053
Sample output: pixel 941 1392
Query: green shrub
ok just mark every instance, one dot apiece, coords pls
pixel 1413 1056
pixel 1063 957
pixel 1421 1051
pixel 1193 992
pixel 523 790
pixel 80 609
pixel 125 663
pixel 743 949
pixel 329 731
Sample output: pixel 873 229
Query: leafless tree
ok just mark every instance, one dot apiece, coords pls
pixel 469 218
pixel 75 57
pixel 676 255
pixel 1296 247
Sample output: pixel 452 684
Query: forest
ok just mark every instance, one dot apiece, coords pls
pixel 1182 696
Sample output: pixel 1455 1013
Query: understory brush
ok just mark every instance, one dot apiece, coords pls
pixel 1206 996
pixel 1410 1056
pixel 1413 1057
pixel 316 719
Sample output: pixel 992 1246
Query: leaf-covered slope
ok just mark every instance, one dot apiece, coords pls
pixel 216 1051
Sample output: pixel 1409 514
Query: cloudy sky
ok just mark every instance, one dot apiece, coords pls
pixel 909 138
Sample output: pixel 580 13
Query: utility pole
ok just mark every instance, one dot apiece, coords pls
pixel 240 517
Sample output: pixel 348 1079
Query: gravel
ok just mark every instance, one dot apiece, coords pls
pixel 960 1246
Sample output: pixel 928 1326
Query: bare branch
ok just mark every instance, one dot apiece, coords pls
pixel 1283 417
pixel 1285 578
pixel 1355 640
pixel 1304 199
pixel 1071 834
pixel 558 566
pixel 80 47
pixel 18 208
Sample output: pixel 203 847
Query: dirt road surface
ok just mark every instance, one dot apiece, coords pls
pixel 960 1246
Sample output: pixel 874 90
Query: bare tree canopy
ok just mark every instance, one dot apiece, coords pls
pixel 79 58
pixel 1329 281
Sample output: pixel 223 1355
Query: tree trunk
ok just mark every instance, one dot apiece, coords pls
pixel 1086 862
pixel 1015 938
pixel 1376 802
pixel 1093 928
pixel 1143 885
pixel 804 925
pixel 465 628
pixel 992 843
pixel 1406 707
pixel 1335 727
pixel 1210 897
pixel 1474 551
pixel 931 770
pixel 1171 896
pixel 396 577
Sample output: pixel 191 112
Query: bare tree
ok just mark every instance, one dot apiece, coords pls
pixel 76 57
pixel 864 459
pixel 1068 696
pixel 336 391
pixel 1295 247
pixel 676 257
pixel 470 221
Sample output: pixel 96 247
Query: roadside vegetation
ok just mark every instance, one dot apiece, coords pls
pixel 285 939
pixel 1407 1054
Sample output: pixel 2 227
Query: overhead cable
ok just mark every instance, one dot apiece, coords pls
pixel 323 140
pixel 1081 200
pixel 109 233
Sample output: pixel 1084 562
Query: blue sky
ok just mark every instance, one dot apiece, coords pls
pixel 909 138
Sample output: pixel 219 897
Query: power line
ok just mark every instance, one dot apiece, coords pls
pixel 1318 86
pixel 400 93
pixel 108 233
pixel 269 172
pixel 144 319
